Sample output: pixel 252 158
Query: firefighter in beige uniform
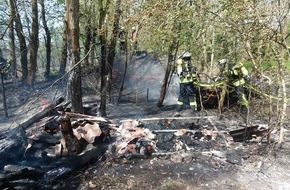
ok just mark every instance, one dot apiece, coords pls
pixel 187 76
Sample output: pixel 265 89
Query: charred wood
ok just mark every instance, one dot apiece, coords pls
pixel 8 179
pixel 247 133
pixel 69 143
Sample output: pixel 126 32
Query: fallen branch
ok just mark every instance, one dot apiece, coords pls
pixel 24 173
pixel 39 115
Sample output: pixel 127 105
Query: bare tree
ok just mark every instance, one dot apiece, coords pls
pixel 22 41
pixel 72 17
pixel 88 27
pixel 64 50
pixel 33 48
pixel 103 7
pixel 112 45
pixel 12 40
pixel 47 40
pixel 172 49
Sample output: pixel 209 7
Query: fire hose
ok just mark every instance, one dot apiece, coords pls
pixel 259 92
pixel 248 86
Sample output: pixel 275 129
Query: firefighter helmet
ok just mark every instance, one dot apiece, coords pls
pixel 186 54
pixel 222 61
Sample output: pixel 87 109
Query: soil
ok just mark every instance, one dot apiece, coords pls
pixel 253 164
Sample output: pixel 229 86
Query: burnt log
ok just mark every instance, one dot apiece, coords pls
pixel 17 174
pixel 13 142
pixel 248 133
pixel 33 145
pixel 39 115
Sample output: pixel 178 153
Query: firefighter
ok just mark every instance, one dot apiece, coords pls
pixel 238 75
pixel 187 76
pixel 134 41
pixel 4 68
pixel 122 40
pixel 4 65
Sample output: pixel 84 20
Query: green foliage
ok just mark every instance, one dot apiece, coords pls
pixel 266 65
pixel 288 65
pixel 60 2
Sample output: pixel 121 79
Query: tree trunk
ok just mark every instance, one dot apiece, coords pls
pixel 12 40
pixel 282 103
pixel 22 41
pixel 47 40
pixel 112 47
pixel 33 48
pixel 72 15
pixel 64 51
pixel 103 70
pixel 26 17
pixel 88 31
pixel 87 44
pixel 173 46
pixel 123 78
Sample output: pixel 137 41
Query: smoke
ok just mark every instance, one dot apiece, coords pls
pixel 143 81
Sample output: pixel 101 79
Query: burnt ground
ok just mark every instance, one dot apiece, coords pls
pixel 208 164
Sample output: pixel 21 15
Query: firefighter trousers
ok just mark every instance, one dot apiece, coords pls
pixel 187 91
pixel 242 97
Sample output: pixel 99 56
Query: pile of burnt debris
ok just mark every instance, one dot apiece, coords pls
pixel 55 141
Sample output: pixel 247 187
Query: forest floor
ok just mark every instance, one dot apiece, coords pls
pixel 253 164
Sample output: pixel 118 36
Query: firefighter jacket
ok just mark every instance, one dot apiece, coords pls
pixel 238 75
pixel 122 36
pixel 186 72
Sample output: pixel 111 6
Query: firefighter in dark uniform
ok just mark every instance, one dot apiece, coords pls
pixel 122 40
pixel 238 75
pixel 4 66
pixel 187 76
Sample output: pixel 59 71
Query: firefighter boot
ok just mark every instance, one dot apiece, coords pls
pixel 244 109
pixel 193 109
pixel 179 108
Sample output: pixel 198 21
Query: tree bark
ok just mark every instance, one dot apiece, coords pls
pixel 169 69
pixel 47 40
pixel 104 72
pixel 12 39
pixel 63 60
pixel 73 30
pixel 112 46
pixel 33 48
pixel 88 31
pixel 22 41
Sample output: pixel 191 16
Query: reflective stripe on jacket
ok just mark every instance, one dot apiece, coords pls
pixel 239 82
pixel 186 72
pixel 238 76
